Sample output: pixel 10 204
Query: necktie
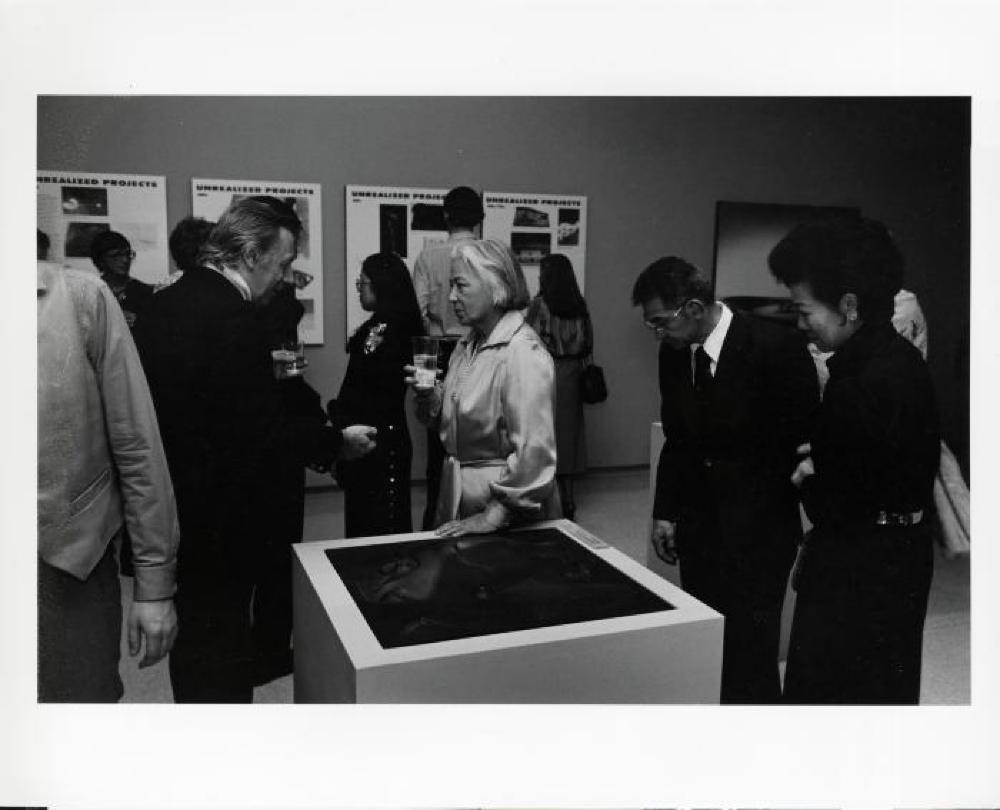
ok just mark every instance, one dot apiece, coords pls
pixel 702 372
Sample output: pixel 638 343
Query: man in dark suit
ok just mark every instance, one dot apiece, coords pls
pixel 229 427
pixel 737 394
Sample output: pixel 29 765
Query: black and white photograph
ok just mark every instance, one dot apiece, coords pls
pixel 527 217
pixel 568 230
pixel 531 248
pixel 84 201
pixel 622 451
pixel 80 235
pixel 427 217
pixel 741 482
pixel 392 229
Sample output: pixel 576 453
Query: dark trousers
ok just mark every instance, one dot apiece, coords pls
pixel 271 612
pixel 857 634
pixel 212 658
pixel 79 634
pixel 435 449
pixel 747 586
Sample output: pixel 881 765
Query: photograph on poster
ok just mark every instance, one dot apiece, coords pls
pixel 85 201
pixel 392 229
pixel 441 589
pixel 428 217
pixel 530 218
pixel 569 227
pixel 530 248
pixel 79 236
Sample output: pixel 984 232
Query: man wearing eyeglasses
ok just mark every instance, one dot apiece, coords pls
pixel 112 254
pixel 737 394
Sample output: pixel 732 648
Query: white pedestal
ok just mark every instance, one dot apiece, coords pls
pixel 665 656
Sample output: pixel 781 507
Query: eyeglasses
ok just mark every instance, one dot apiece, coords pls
pixel 362 283
pixel 120 254
pixel 660 322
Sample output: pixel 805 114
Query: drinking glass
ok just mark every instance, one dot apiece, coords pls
pixel 425 360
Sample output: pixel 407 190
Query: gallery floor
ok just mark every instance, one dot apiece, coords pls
pixel 614 506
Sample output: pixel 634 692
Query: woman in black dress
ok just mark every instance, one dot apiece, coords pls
pixel 559 315
pixel 377 487
pixel 866 476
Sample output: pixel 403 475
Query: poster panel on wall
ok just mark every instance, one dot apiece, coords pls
pixel 388 218
pixel 536 225
pixel 73 207
pixel 211 197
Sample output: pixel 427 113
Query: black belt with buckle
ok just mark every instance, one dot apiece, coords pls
pixel 899 518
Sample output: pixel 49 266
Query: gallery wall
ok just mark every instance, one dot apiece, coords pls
pixel 652 170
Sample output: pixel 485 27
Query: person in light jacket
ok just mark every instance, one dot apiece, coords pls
pixel 101 468
pixel 494 408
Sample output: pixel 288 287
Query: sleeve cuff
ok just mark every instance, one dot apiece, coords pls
pixel 155 582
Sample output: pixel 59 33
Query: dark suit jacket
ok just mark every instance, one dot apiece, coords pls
pixel 875 443
pixel 228 426
pixel 736 459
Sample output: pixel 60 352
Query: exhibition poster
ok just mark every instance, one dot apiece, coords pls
pixel 536 225
pixel 387 218
pixel 73 207
pixel 211 197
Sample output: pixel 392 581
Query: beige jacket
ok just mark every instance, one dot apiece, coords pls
pixel 495 410
pixel 100 458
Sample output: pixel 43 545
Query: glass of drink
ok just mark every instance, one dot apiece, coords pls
pixel 289 360
pixel 425 360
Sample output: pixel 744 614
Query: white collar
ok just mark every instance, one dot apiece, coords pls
pixel 713 343
pixel 235 279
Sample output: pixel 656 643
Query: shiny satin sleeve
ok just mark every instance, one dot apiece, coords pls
pixel 527 380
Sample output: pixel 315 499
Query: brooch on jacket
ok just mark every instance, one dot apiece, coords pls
pixel 375 337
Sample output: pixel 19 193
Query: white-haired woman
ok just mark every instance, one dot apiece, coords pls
pixel 494 408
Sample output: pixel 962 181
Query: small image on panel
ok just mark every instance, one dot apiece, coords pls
pixel 568 232
pixel 427 217
pixel 84 201
pixel 531 248
pixel 525 217
pixel 392 229
pixel 79 235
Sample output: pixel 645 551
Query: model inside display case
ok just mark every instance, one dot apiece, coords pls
pixel 417 592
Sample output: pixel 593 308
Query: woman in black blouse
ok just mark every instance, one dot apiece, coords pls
pixel 377 487
pixel 866 477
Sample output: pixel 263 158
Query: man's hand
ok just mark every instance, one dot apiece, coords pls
pixel 359 440
pixel 156 622
pixel 662 534
pixel 805 468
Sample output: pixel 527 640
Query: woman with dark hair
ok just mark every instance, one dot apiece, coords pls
pixel 559 315
pixel 866 476
pixel 377 487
